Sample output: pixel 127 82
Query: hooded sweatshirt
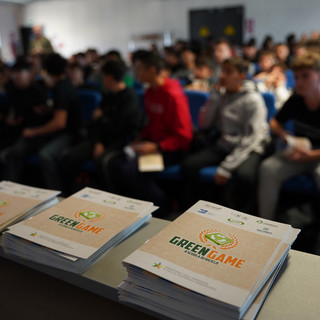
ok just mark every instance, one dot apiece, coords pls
pixel 241 119
pixel 169 120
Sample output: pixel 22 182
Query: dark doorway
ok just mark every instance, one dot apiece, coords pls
pixel 215 23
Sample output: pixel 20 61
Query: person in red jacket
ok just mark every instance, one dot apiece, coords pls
pixel 168 131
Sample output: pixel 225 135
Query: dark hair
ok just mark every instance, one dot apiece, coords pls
pixel 21 64
pixel 148 58
pixel 114 68
pixel 75 65
pixel 55 64
pixel 240 64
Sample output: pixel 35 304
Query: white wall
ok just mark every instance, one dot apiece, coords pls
pixel 10 19
pixel 74 25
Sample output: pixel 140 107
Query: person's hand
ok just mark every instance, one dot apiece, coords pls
pixel 98 149
pixel 28 133
pixel 97 113
pixel 300 155
pixel 145 147
pixel 220 179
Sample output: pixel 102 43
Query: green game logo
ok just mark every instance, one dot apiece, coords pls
pixel 3 203
pixel 218 238
pixel 90 215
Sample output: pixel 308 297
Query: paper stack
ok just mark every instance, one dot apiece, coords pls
pixel 211 262
pixel 18 201
pixel 76 232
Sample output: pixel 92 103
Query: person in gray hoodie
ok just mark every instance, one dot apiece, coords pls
pixel 237 115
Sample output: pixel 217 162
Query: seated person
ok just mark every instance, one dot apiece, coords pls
pixel 118 120
pixel 168 131
pixel 76 75
pixel 49 139
pixel 266 62
pixel 236 114
pixel 222 51
pixel 283 54
pixel 173 63
pixel 303 107
pixel 276 83
pixel 203 76
pixel 26 104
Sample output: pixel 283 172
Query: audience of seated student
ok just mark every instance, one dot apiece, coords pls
pixel 48 139
pixel 303 108
pixel 118 120
pixel 60 122
pixel 234 123
pixel 168 131
pixel 276 83
pixel 26 102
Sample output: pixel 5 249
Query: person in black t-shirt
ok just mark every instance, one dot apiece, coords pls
pixel 303 107
pixel 118 120
pixel 49 139
pixel 26 105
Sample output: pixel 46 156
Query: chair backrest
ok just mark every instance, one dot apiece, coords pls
pixel 140 94
pixel 270 102
pixel 290 79
pixel 90 100
pixel 196 100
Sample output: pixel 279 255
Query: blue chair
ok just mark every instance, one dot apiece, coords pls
pixel 90 100
pixel 290 79
pixel 196 100
pixel 270 102
pixel 207 173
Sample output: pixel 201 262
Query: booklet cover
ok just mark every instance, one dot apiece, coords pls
pixel 18 200
pixel 82 223
pixel 151 162
pixel 219 253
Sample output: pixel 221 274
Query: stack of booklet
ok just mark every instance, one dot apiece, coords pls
pixel 18 201
pixel 77 231
pixel 211 262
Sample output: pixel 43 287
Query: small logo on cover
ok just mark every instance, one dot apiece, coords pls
pixel 214 237
pixel 3 202
pixel 91 215
pixel 157 265
pixel 33 234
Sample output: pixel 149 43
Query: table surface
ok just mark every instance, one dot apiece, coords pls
pixel 57 294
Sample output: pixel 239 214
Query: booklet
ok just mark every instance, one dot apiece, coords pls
pixel 211 260
pixel 150 162
pixel 17 201
pixel 83 226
